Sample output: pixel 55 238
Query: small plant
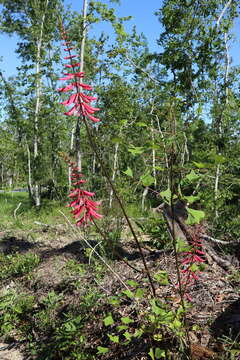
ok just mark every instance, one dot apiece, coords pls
pixel 15 312
pixel 156 324
pixel 156 229
pixel 17 264
pixel 73 267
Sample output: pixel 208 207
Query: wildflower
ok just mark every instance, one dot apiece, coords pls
pixel 84 209
pixel 79 100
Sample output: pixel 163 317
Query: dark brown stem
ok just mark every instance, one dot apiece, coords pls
pixel 94 148
pixel 172 188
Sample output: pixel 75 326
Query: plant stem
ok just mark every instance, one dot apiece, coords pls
pixel 95 149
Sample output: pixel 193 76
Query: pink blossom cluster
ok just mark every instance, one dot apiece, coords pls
pixel 78 101
pixel 84 209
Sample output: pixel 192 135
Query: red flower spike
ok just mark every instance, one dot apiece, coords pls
pixel 66 88
pixel 93 118
pixel 192 257
pixel 81 101
pixel 84 209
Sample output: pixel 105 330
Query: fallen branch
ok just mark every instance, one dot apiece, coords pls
pixel 217 241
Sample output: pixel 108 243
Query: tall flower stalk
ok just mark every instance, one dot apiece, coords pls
pixel 84 209
pixel 81 107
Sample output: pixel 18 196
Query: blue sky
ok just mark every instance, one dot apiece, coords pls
pixel 143 17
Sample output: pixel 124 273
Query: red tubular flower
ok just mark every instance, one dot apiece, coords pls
pixel 84 209
pixel 81 102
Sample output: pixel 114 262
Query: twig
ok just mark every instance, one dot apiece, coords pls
pixel 143 71
pixel 94 250
pixel 207 237
pixel 90 256
pixel 223 12
pixel 15 211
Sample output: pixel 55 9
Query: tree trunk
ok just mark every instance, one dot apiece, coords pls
pixel 36 186
pixel 78 127
pixel 114 172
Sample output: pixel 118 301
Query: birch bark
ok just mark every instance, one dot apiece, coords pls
pixel 36 186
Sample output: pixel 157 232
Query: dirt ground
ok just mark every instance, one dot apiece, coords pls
pixel 215 304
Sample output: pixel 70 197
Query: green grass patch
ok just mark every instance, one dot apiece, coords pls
pixel 17 264
pixel 16 211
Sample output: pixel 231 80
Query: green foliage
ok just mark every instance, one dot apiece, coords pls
pixel 15 311
pixel 194 216
pixel 17 264
pixel 156 229
pixel 152 323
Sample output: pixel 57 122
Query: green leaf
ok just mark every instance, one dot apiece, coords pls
pixel 129 293
pixel 156 309
pixel 159 168
pixel 194 216
pixel 158 337
pixel 139 293
pixel 219 159
pixel 114 300
pixel 192 176
pixel 122 327
pixel 126 320
pixel 200 165
pixel 181 246
pixel 176 324
pixel 194 267
pixel 113 338
pixel 191 199
pixel 128 172
pixel 161 277
pixel 116 140
pixel 108 320
pixel 141 124
pixel 151 354
pixel 132 283
pixel 166 195
pixel 102 350
pixel 138 333
pixel 159 353
pixel 136 150
pixel 127 335
pixel 147 179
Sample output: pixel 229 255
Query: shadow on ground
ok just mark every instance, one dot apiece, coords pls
pixel 228 323
pixel 10 245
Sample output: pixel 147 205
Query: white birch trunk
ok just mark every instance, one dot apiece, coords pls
pixel 165 149
pixel 78 126
pixel 115 161
pixel 220 129
pixel 36 186
pixel 153 155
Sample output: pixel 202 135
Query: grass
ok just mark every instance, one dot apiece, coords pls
pixel 16 211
